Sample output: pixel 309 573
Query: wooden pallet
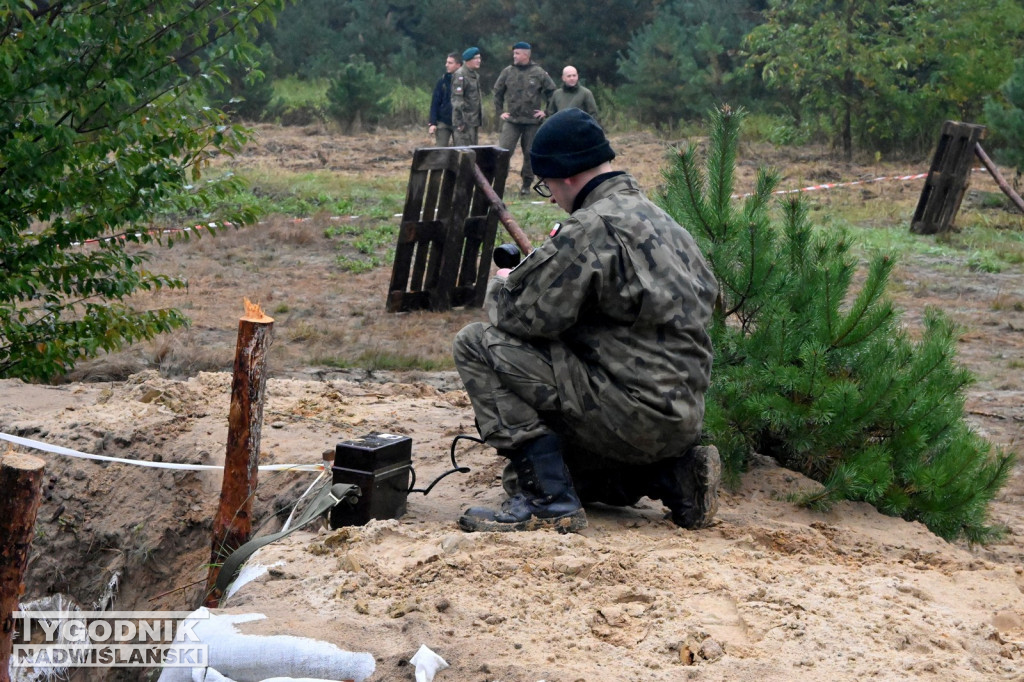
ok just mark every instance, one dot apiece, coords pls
pixel 948 178
pixel 443 252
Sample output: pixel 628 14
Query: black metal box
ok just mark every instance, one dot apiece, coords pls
pixel 379 464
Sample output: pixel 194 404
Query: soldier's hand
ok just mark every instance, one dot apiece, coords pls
pixel 505 116
pixel 539 113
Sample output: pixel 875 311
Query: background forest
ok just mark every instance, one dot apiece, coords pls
pixel 867 76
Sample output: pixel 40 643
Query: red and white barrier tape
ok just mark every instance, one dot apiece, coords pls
pixel 167 230
pixel 831 185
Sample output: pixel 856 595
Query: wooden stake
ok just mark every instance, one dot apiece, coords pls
pixel 998 177
pixel 232 526
pixel 21 478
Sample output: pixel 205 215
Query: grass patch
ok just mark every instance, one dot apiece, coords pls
pixel 976 246
pixel 297 92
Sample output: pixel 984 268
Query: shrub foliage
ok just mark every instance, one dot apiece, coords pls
pixel 100 130
pixel 820 374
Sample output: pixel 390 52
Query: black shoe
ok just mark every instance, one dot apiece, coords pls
pixel 688 486
pixel 545 499
pixel 525 191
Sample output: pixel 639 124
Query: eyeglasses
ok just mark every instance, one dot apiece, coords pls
pixel 542 189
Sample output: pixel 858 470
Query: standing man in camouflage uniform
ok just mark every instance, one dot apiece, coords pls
pixel 467 102
pixel 525 88
pixel 572 95
pixel 597 356
pixel 440 125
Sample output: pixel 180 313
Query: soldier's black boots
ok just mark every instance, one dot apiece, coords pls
pixel 545 499
pixel 688 486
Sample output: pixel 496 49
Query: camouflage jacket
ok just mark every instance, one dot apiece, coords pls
pixel 628 292
pixel 525 89
pixel 467 101
pixel 577 97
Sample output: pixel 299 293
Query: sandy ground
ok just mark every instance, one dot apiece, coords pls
pixel 770 592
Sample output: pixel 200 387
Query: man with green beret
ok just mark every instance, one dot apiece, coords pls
pixel 467 101
pixel 590 376
pixel 522 88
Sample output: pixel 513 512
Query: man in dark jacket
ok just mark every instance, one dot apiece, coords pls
pixel 597 356
pixel 441 103
pixel 523 88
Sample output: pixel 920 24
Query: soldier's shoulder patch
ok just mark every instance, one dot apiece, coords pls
pixel 555 229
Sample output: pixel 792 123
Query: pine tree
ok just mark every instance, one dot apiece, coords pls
pixel 1005 116
pixel 356 95
pixel 822 376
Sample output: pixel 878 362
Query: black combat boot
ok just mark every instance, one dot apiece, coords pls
pixel 615 487
pixel 545 499
pixel 688 486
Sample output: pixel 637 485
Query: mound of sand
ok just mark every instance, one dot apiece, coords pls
pixel 770 592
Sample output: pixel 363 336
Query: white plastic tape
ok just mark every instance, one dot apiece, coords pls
pixel 58 450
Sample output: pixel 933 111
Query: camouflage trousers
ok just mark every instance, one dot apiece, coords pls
pixel 514 388
pixel 523 134
pixel 444 135
pixel 467 137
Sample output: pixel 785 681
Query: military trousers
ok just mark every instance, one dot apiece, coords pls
pixel 511 133
pixel 513 385
pixel 443 135
pixel 467 137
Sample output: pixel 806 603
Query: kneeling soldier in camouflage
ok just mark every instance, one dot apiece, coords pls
pixel 594 367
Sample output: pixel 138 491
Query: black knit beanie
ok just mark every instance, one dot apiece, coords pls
pixel 568 143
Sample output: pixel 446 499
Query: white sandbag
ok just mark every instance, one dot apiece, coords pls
pixel 254 658
pixel 427 663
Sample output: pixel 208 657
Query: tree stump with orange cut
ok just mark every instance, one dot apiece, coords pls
pixel 232 526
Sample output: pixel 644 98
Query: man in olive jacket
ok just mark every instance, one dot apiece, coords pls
pixel 594 364
pixel 572 95
pixel 467 101
pixel 523 88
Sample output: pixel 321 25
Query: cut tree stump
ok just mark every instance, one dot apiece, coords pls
pixel 232 527
pixel 21 478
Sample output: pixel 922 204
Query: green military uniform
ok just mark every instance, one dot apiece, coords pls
pixel 576 97
pixel 599 335
pixel 467 106
pixel 522 90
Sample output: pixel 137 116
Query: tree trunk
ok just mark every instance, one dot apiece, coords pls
pixel 232 526
pixel 21 478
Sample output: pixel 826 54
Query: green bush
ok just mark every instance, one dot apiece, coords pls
pixel 1005 116
pixel 101 130
pixel 247 94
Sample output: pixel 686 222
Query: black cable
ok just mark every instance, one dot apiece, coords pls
pixel 456 469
